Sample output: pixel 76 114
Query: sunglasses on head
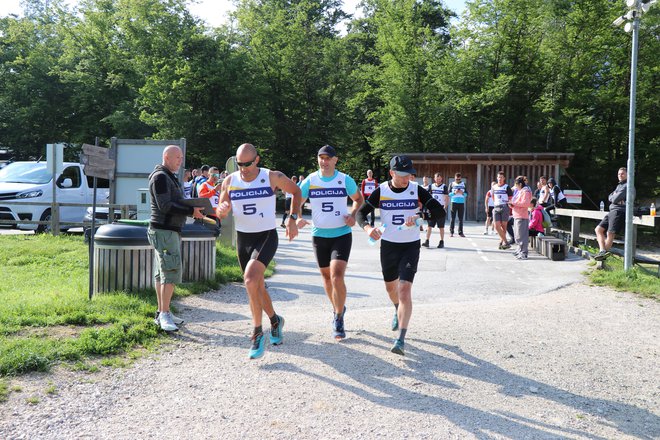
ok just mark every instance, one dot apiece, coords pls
pixel 246 164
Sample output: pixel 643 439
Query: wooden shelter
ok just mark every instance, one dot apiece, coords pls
pixel 478 170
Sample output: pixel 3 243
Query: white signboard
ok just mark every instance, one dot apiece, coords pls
pixel 573 196
pixel 135 160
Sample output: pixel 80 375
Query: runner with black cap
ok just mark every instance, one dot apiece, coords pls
pixel 327 190
pixel 398 200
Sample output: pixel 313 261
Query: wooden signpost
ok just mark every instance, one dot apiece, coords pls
pixel 98 162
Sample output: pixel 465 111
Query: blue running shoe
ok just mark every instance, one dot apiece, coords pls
pixel 338 327
pixel 276 333
pixel 258 346
pixel 395 322
pixel 398 347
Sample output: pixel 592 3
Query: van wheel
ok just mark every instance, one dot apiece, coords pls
pixel 45 217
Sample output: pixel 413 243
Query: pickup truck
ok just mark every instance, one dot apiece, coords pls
pixel 32 182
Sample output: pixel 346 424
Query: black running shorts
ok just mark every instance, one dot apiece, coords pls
pixel 336 248
pixel 614 221
pixel 399 260
pixel 260 246
pixel 439 223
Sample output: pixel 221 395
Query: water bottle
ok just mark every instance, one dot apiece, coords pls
pixel 602 205
pixel 652 209
pixel 417 224
pixel 381 228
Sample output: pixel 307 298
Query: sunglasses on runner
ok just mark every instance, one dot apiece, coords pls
pixel 246 164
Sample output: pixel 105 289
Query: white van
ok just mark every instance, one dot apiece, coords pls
pixel 32 182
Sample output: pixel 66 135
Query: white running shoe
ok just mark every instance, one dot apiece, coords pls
pixel 166 323
pixel 176 319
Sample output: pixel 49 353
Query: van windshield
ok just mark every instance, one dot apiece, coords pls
pixel 25 172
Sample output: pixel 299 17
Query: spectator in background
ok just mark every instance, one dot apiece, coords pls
pixel 187 184
pixel 614 221
pixel 557 198
pixel 520 207
pixel 543 198
pixel 501 195
pixel 366 188
pixel 536 221
pixel 287 202
pixel 458 193
pixel 201 178
pixel 211 190
pixel 438 191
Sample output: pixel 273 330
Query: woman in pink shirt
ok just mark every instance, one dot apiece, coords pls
pixel 520 205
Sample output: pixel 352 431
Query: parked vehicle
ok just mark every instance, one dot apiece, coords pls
pixel 102 214
pixel 32 182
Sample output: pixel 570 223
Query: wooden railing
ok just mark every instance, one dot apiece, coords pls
pixel 577 215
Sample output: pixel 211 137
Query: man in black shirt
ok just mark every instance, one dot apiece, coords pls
pixel 168 216
pixel 398 200
pixel 614 221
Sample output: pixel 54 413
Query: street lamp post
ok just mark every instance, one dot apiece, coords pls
pixel 632 17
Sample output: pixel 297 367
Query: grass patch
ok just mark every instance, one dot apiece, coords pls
pixel 51 389
pixel 638 280
pixel 45 316
pixel 32 400
pixel 4 391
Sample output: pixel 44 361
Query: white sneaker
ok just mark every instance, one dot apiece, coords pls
pixel 166 323
pixel 176 319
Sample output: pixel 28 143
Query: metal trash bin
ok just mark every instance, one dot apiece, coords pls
pixel 197 252
pixel 123 258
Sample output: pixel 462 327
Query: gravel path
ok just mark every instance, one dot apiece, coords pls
pixel 580 362
pixel 495 349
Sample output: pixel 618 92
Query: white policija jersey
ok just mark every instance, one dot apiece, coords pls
pixel 253 203
pixel 438 192
pixel 500 195
pixel 328 201
pixel 395 208
pixel 369 186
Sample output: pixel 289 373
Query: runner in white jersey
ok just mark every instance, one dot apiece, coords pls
pixel 501 195
pixel 398 200
pixel 250 194
pixel 327 190
pixel 368 186
pixel 438 191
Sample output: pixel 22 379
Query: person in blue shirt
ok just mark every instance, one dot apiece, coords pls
pixel 457 193
pixel 327 190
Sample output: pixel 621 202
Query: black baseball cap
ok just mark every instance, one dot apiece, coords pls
pixel 327 150
pixel 402 165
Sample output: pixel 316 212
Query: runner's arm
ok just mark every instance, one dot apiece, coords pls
pixel 367 208
pixel 224 203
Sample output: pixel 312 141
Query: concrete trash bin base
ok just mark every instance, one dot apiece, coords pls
pixel 123 258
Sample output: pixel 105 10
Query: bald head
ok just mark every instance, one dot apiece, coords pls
pixel 246 149
pixel 172 158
